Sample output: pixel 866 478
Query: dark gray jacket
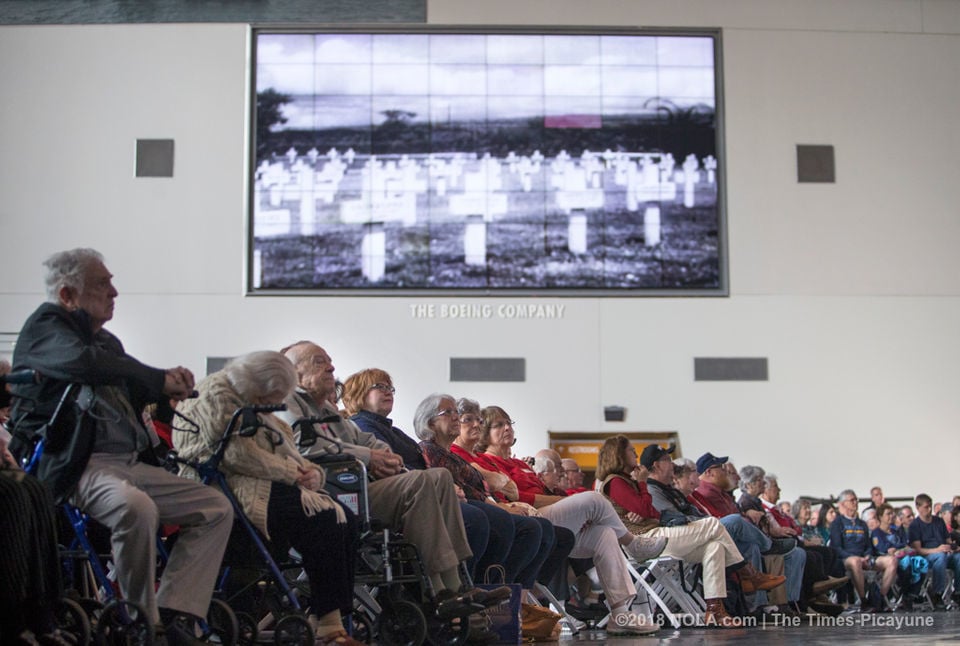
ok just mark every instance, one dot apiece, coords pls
pixel 63 348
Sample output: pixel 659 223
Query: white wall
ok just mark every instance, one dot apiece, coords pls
pixel 850 289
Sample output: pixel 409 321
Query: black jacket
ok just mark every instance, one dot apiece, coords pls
pixel 63 348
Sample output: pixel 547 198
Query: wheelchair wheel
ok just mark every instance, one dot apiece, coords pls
pixel 221 626
pixel 362 627
pixel 246 629
pixel 293 630
pixel 401 623
pixel 453 632
pixel 123 623
pixel 71 618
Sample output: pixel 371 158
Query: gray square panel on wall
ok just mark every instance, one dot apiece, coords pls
pixel 730 369
pixel 488 369
pixel 815 164
pixel 154 157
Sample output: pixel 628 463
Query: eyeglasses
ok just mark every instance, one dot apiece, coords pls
pixel 509 422
pixel 469 419
pixel 384 388
pixel 451 412
pixel 571 470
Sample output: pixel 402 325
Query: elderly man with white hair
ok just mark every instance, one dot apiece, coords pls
pixel 423 504
pixel 100 456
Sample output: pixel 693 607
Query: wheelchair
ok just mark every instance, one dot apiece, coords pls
pixel 394 600
pixel 263 581
pixel 93 608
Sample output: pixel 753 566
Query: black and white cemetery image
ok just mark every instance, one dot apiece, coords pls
pixel 485 162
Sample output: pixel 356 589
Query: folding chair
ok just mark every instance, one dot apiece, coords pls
pixel 671 587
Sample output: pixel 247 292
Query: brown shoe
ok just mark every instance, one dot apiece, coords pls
pixel 760 581
pixel 716 616
pixel 831 582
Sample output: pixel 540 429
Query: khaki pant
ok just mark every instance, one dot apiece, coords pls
pixel 703 541
pixel 133 499
pixel 424 505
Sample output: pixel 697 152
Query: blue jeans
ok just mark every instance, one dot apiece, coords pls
pixel 793 564
pixel 939 563
pixel 477 528
pixel 751 542
pixel 744 533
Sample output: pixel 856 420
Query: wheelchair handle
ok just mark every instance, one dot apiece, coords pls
pixel 25 376
pixel 317 419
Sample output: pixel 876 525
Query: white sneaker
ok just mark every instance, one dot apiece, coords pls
pixel 631 623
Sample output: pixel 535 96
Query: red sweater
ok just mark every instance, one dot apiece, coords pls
pixel 528 484
pixel 632 496
pixel 714 500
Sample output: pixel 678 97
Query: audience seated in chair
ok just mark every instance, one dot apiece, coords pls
pixel 424 505
pixel 821 560
pixel 929 536
pixel 106 464
pixel 701 539
pixel 598 529
pixel 574 476
pixel 280 492
pixel 851 538
pixel 889 539
pixel 794 561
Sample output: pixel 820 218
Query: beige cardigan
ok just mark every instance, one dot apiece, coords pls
pixel 250 464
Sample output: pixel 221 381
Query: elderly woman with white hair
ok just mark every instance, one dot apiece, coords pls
pixel 280 491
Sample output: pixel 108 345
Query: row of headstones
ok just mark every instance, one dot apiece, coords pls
pixel 373 245
pixel 391 196
pixel 403 174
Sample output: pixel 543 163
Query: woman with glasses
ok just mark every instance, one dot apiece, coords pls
pixel 599 533
pixel 368 400
pixel 438 424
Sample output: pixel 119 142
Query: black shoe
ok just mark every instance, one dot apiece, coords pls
pixel 588 613
pixel 450 605
pixel 826 608
pixel 180 631
pixel 488 598
pixel 480 632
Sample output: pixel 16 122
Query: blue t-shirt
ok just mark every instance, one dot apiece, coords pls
pixel 930 535
pixel 850 537
pixel 883 541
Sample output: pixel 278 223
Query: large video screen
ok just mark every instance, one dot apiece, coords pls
pixel 428 161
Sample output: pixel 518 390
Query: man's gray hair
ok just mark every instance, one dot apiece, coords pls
pixel 425 412
pixel 262 374
pixel 68 269
pixel 468 406
pixel 750 474
pixel 847 492
pixel 542 464
pixel 867 514
pixel 769 479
